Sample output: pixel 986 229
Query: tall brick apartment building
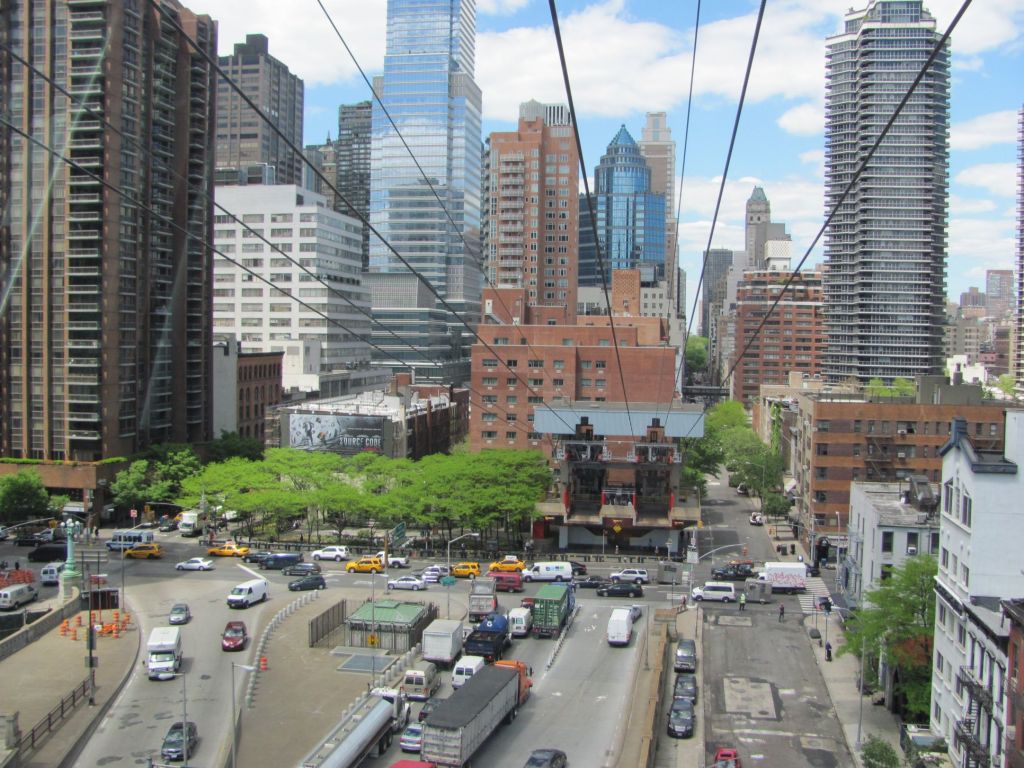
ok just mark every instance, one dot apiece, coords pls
pixel 842 437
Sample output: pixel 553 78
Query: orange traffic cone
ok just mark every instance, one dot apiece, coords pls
pixel 78 620
pixel 116 636
pixel 263 663
pixel 64 628
pixel 74 634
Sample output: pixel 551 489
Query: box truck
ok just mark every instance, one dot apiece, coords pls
pixel 785 577
pixel 163 653
pixel 442 642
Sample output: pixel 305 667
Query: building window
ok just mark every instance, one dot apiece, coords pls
pixel 940 663
pixel 512 363
pixel 887 542
pixel 488 434
pixel 965 509
pixel 558 382
pixel 536 363
pixel 965 575
pixel 490 363
pixel 961 634
pixel 934 543
pixel 512 399
pixel 489 417
pixel 490 398
pixel 490 381
pixel 585 364
pixel 911 542
pixel 823 426
pixel 856 450
pixel 886 572
pixel 821 449
pixel 511 435
pixel 820 497
pixel 511 381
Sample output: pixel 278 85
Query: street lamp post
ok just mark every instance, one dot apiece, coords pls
pixel 448 562
pixel 234 724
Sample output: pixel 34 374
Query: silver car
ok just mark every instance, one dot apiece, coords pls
pixel 180 614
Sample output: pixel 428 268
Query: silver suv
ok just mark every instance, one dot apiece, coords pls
pixel 636 575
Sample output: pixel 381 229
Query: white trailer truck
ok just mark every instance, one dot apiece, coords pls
pixel 442 642
pixel 785 577
pixel 367 731
pixel 163 653
pixel 460 724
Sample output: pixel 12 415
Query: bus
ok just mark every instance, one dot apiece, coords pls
pixel 127 538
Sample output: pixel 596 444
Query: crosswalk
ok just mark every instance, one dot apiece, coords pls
pixel 809 597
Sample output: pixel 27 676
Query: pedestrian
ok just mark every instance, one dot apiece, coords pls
pixel 682 601
pixel 828 651
pixel 782 612
pixel 743 601
pixel 17 565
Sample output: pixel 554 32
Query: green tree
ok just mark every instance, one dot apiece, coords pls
pixel 23 497
pixel 876 388
pixel 1007 385
pixel 903 387
pixel 898 620
pixel 696 354
pixel 775 505
pixel 137 484
pixel 878 753
pixel 232 444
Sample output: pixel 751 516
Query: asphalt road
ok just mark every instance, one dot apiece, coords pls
pixel 763 691
pixel 578 705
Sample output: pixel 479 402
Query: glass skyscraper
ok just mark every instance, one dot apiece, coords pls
pixel 885 250
pixel 630 218
pixel 429 91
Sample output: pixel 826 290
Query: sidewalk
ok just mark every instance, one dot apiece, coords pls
pixel 47 670
pixel 856 713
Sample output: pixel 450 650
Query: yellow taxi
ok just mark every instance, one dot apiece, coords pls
pixel 365 565
pixel 228 549
pixel 508 563
pixel 144 551
pixel 466 570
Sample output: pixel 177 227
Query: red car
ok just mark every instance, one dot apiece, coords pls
pixel 727 757
pixel 235 636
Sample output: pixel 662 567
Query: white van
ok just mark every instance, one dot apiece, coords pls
pixel 620 627
pixel 422 683
pixel 519 622
pixel 50 575
pixel 548 572
pixel 247 593
pixel 723 591
pixel 465 668
pixel 17 595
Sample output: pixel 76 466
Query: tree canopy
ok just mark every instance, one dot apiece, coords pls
pixel 898 620
pixel 696 354
pixel 23 497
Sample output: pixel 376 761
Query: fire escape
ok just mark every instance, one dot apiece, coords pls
pixel 967 730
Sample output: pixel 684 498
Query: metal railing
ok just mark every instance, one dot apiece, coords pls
pixel 31 740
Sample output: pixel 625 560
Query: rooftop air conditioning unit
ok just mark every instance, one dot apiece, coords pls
pixel 911 550
pixel 901 454
pixel 901 431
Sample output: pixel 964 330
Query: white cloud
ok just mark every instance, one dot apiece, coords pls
pixel 985 130
pixel 606 47
pixel 803 120
pixel 301 37
pixel 985 26
pixel 998 178
pixel 958 205
pixel 975 245
pixel 500 6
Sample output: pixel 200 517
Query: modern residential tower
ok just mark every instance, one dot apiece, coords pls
pixel 352 159
pixel 885 250
pixel 243 138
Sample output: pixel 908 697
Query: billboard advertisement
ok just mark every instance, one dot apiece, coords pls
pixel 335 432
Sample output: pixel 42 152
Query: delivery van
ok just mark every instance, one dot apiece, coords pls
pixel 723 591
pixel 620 627
pixel 554 571
pixel 50 574
pixel 16 595
pixel 247 593
pixel 422 682
pixel 519 621
pixel 465 668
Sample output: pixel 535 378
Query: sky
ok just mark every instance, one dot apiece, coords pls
pixel 629 57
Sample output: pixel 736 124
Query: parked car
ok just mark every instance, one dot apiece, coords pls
pixel 635 612
pixel 636 575
pixel 167 526
pixel 578 569
pixel 593 582
pixel 680 719
pixel 312 581
pixel 235 636
pixel 466 570
pixel 756 518
pixel 195 564
pixel 621 589
pixel 686 656
pixel 433 573
pixel 685 687
pixel 335 553
pixel 300 569
pixel 144 552
pixel 407 582
pixel 256 557
pixel 742 489
pixel 180 737
pixel 180 614
pixel 412 738
pixel 547 758
pixel 228 549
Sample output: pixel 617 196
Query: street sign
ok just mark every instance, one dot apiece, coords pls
pixel 447 581
pixel 134 513
pixel 398 535
pixel 371 640
pixel 617 528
